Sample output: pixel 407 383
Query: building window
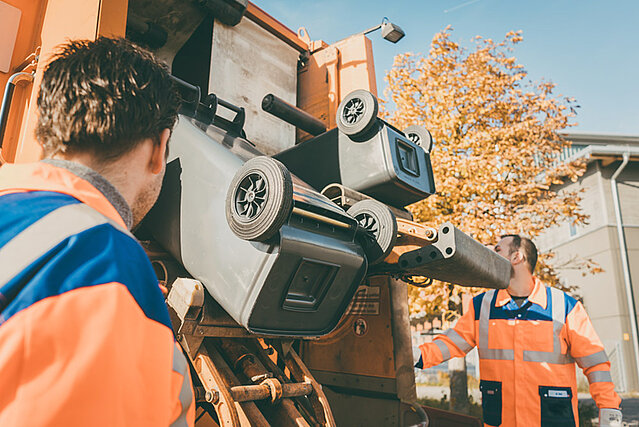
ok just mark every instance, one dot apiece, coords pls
pixel 572 229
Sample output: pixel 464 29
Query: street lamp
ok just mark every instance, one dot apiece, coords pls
pixel 391 32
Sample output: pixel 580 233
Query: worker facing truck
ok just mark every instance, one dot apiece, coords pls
pixel 529 337
pixel 86 336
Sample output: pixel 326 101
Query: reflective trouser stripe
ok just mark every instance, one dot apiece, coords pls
pixel 594 359
pixel 186 394
pixel 599 377
pixel 484 324
pixel 458 340
pixel 44 234
pixel 444 349
pixel 558 321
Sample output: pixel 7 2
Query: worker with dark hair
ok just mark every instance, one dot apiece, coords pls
pixel 529 337
pixel 84 331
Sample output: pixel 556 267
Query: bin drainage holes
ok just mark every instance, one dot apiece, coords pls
pixel 445 230
pixel 449 251
pixel 418 259
pixel 433 254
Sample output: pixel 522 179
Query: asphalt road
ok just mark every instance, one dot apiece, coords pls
pixel 629 406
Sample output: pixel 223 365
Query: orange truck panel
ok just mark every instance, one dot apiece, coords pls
pixel 356 68
pixel 27 40
pixel 331 73
pixel 47 24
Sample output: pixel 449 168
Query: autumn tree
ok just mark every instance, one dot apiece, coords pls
pixel 497 147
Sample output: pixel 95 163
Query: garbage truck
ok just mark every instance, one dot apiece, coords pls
pixel 281 230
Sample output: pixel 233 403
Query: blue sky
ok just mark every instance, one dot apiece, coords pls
pixel 589 48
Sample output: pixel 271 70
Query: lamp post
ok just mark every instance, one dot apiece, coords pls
pixel 391 32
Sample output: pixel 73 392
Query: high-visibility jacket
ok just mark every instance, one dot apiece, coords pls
pixel 527 356
pixel 85 335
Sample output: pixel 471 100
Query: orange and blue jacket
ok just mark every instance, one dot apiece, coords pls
pixel 527 356
pixel 85 336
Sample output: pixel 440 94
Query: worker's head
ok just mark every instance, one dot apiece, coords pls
pixel 110 105
pixel 520 251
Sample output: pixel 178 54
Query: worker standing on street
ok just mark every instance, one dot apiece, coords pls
pixel 85 336
pixel 529 337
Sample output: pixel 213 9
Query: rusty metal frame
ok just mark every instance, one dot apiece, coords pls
pixel 300 372
pixel 219 353
pixel 410 236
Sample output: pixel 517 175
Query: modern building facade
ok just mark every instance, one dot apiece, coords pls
pixel 610 196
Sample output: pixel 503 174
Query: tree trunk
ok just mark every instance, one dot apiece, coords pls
pixel 458 385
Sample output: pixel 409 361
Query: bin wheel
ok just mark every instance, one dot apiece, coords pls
pixel 357 113
pixel 420 136
pixel 379 220
pixel 259 199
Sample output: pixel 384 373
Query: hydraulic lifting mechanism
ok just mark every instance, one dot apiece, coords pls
pixel 280 230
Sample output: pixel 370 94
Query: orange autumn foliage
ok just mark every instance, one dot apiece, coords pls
pixel 497 145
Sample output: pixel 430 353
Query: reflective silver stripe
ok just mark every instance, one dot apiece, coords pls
pixel 484 324
pixel 498 354
pixel 458 340
pixel 179 361
pixel 547 357
pixel 599 377
pixel 186 397
pixel 484 319
pixel 186 394
pixel 558 321
pixel 44 234
pixel 444 349
pixel 586 362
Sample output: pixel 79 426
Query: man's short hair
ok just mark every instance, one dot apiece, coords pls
pixel 527 246
pixel 103 97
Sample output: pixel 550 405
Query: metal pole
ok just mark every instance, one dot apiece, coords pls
pixel 371 29
pixel 623 252
pixel 293 115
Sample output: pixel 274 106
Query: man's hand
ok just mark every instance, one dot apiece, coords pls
pixel 164 289
pixel 609 417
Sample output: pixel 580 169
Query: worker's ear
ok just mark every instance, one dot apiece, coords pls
pixel 516 257
pixel 158 155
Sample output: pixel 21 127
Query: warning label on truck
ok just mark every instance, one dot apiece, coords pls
pixel 366 301
pixel 364 307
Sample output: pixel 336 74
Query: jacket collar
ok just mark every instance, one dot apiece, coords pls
pixel 537 296
pixel 70 178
